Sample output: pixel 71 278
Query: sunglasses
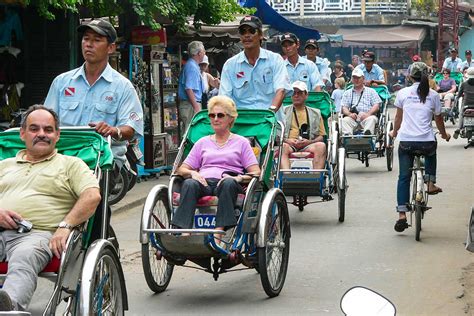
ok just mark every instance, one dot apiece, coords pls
pixel 246 30
pixel 219 115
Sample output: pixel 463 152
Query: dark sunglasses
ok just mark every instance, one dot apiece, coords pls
pixel 219 115
pixel 250 30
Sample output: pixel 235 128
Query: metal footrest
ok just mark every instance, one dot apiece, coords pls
pixel 192 246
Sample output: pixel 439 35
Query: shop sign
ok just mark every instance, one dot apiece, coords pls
pixel 143 35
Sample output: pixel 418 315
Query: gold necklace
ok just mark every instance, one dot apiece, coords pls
pixel 220 145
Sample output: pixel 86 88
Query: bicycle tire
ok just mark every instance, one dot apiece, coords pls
pixel 418 217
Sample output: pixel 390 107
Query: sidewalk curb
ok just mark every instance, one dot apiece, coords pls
pixel 130 205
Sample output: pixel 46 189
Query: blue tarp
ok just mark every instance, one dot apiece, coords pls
pixel 269 16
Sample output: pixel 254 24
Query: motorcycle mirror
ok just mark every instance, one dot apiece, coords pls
pixel 361 301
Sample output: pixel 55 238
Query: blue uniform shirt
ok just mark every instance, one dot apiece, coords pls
pixel 190 78
pixel 111 99
pixel 305 71
pixel 322 67
pixel 452 65
pixel 376 73
pixel 253 87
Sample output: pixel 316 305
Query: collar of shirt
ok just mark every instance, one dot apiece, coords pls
pixel 263 54
pixel 299 61
pixel 20 157
pixel 106 74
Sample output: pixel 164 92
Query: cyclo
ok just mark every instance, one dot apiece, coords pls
pixel 301 180
pixel 452 113
pixel 261 239
pixel 88 277
pixel 363 147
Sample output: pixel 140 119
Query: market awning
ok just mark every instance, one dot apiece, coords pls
pixel 213 35
pixel 382 37
pixel 269 16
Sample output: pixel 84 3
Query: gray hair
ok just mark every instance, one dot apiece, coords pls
pixel 195 47
pixel 36 107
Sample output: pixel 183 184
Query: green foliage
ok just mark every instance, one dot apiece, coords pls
pixel 204 11
pixel 425 7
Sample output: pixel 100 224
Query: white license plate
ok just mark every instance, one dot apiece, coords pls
pixel 469 121
pixel 204 221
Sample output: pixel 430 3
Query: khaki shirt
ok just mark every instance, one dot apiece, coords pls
pixel 43 192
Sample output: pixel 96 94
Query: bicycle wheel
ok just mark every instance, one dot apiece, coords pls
pixel 273 257
pixel 418 217
pixel 341 185
pixel 103 295
pixel 158 271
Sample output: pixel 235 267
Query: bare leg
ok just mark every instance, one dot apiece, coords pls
pixel 285 156
pixel 319 151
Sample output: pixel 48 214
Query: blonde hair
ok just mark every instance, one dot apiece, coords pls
pixel 226 103
pixel 341 82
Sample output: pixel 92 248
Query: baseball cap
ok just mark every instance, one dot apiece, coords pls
pixel 300 85
pixel 470 72
pixel 101 27
pixel 311 42
pixel 368 56
pixel 289 37
pixel 452 50
pixel 251 21
pixel 205 60
pixel 416 58
pixel 418 68
pixel 357 72
pixel 468 52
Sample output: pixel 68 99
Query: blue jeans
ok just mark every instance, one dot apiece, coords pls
pixel 406 156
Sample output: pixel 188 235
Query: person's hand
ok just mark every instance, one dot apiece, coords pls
pixel 303 143
pixel 292 142
pixel 58 242
pixel 237 178
pixel 197 176
pixel 104 129
pixel 353 116
pixel 446 136
pixel 363 116
pixel 392 134
pixel 7 219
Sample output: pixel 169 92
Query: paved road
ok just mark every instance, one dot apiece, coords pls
pixel 431 277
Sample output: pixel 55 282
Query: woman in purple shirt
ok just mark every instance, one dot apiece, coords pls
pixel 446 88
pixel 216 165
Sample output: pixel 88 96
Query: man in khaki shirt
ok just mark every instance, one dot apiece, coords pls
pixel 52 191
pixel 305 131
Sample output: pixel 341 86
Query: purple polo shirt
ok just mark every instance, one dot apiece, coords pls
pixel 212 160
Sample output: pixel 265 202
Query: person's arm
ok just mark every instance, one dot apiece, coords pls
pixel 82 210
pixel 315 77
pixel 192 99
pixel 278 99
pixel 374 109
pixel 225 87
pixel 453 88
pixel 397 122
pixel 440 125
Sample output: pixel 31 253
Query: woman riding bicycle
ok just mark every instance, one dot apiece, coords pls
pixel 415 108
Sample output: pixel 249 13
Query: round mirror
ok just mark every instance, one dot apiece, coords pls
pixel 360 301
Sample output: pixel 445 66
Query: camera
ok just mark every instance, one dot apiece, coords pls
pixel 354 110
pixel 23 226
pixel 304 131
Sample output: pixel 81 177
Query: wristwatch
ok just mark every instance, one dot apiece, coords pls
pixel 273 108
pixel 119 133
pixel 63 224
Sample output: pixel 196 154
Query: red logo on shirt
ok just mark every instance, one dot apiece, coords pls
pixel 240 74
pixel 69 91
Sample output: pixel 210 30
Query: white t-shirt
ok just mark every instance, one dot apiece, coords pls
pixel 417 116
